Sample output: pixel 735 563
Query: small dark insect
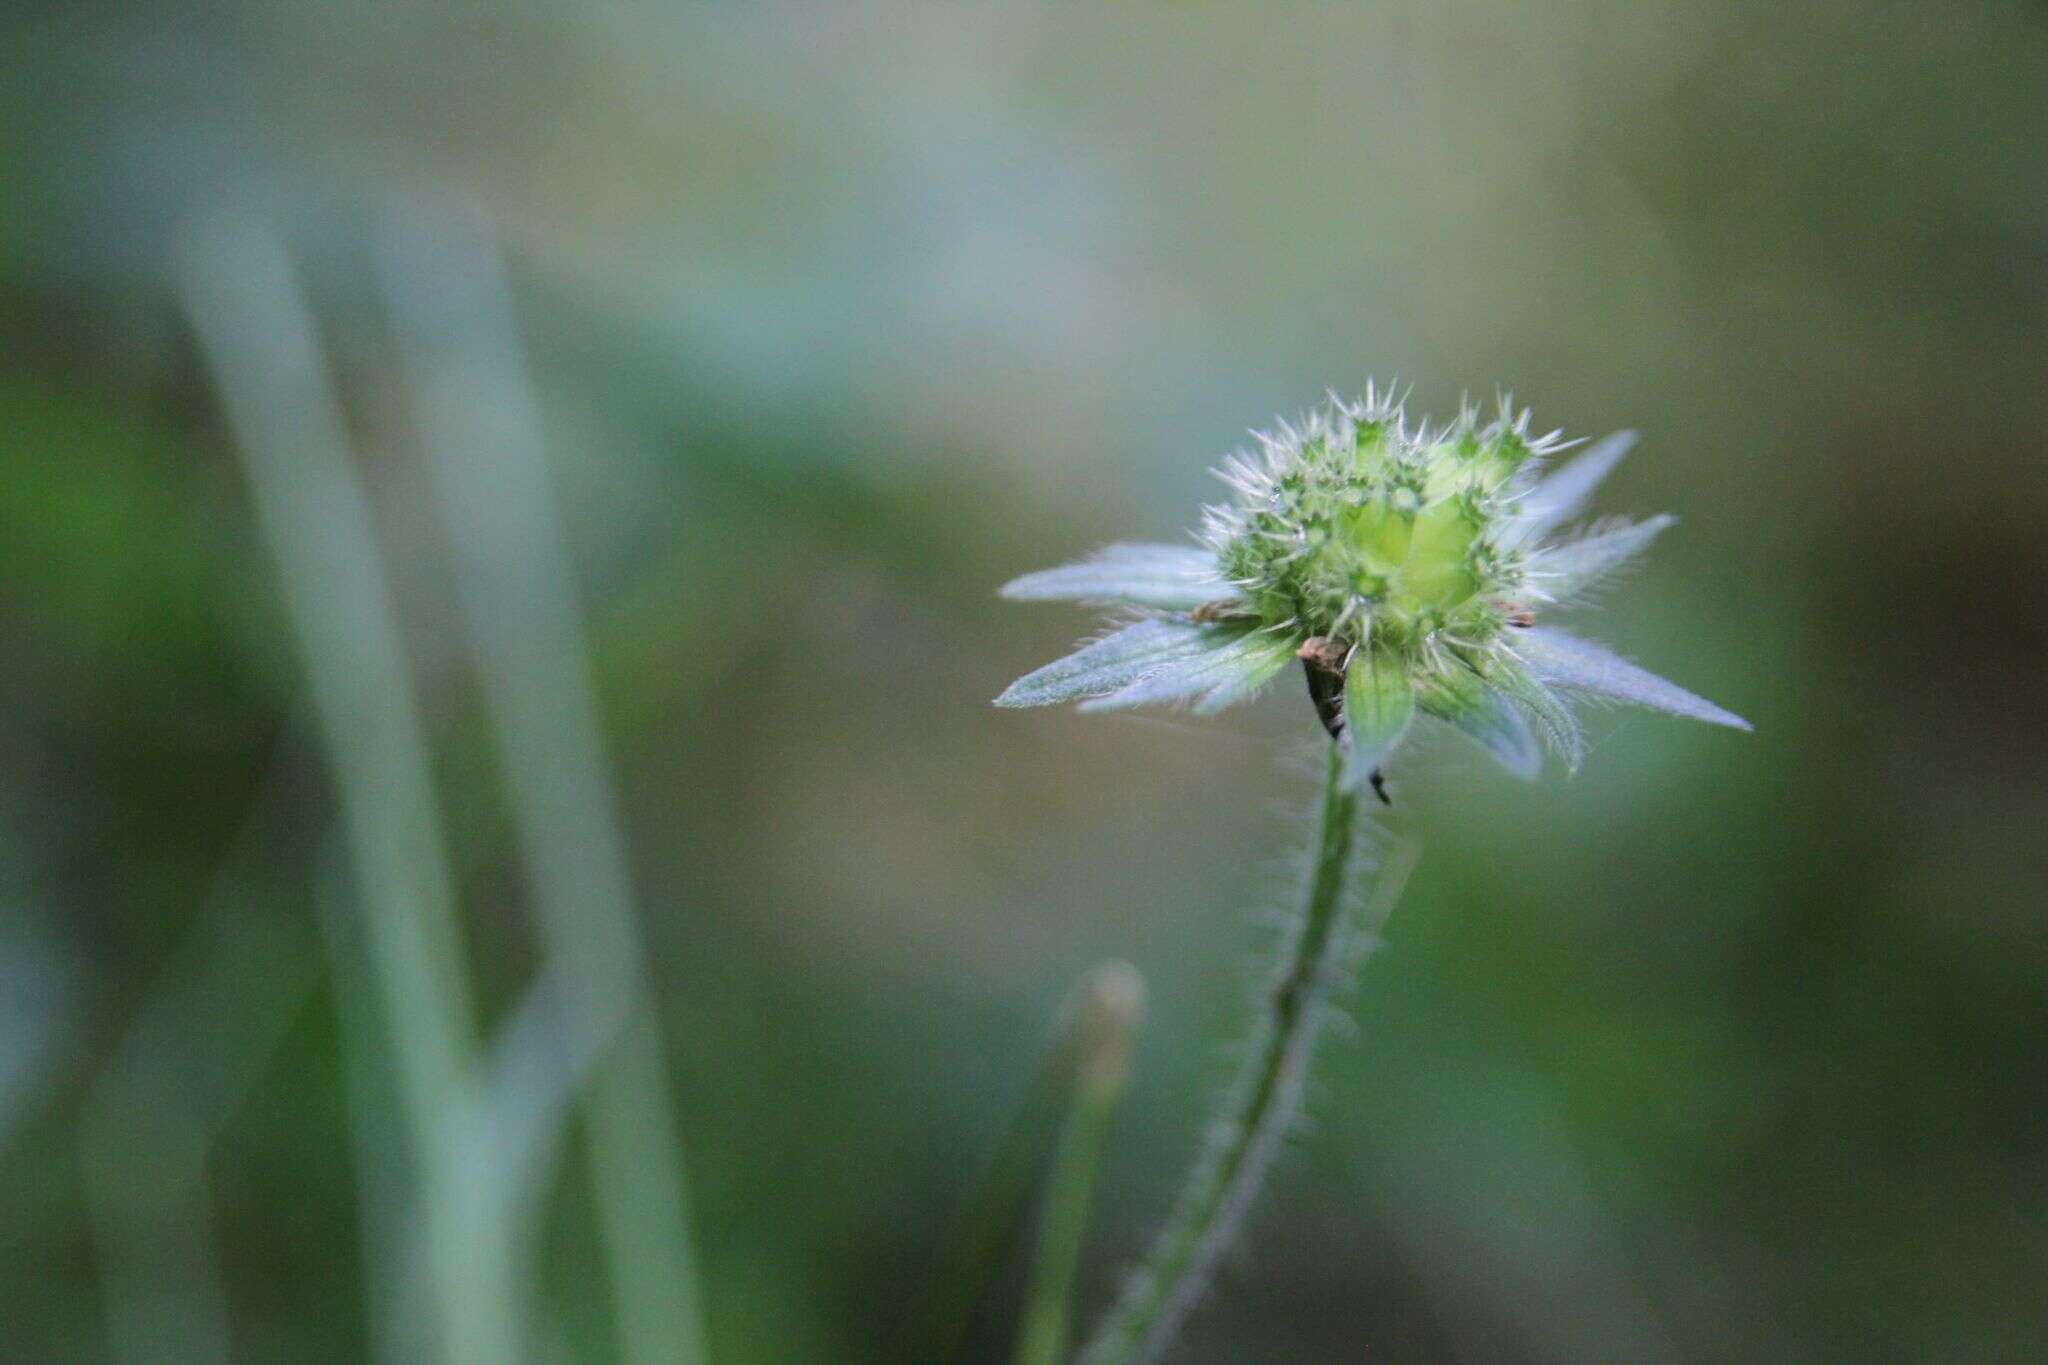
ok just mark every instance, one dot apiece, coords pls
pixel 1322 659
pixel 1326 690
pixel 1518 615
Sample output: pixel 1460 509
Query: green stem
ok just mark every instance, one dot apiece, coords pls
pixel 1113 1001
pixel 1257 1109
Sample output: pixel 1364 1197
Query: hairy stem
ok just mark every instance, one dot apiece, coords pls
pixel 1260 1104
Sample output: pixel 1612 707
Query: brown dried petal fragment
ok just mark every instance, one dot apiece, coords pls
pixel 1228 609
pixel 1325 652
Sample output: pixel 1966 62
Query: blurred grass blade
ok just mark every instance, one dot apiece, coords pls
pixel 972 1249
pixel 452 308
pixel 36 1005
pixel 376 1129
pixel 1112 1007
pixel 540 1059
pixel 258 338
pixel 158 1259
pixel 201 1037
pixel 978 1239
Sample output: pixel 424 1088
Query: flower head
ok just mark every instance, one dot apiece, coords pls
pixel 1406 569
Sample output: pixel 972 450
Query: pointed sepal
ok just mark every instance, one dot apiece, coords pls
pixel 1563 660
pixel 1162 577
pixel 1563 572
pixel 1379 704
pixel 1231 671
pixel 1561 494
pixel 1113 662
pixel 1544 709
pixel 1490 720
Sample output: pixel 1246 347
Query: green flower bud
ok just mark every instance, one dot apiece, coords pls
pixel 1405 569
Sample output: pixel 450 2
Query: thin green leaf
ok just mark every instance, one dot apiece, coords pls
pixel 1567 661
pixel 1114 662
pixel 1379 703
pixel 1164 577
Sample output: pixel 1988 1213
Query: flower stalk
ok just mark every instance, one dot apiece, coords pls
pixel 1405 567
pixel 1260 1105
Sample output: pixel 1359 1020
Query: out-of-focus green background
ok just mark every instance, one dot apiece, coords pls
pixel 1730 1048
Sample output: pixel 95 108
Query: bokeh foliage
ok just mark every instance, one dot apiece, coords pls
pixel 1729 1048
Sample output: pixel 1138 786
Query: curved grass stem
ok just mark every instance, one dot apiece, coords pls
pixel 1088 1050
pixel 1112 1002
pixel 1259 1106
pixel 257 333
